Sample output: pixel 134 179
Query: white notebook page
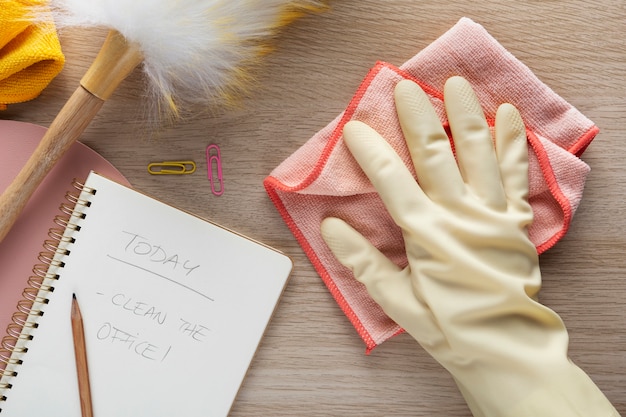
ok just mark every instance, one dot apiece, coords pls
pixel 174 308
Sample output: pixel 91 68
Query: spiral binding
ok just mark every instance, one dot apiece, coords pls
pixel 41 284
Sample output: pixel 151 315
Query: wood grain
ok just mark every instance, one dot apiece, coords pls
pixel 311 362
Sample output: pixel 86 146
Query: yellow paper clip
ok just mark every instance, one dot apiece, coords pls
pixel 172 168
pixel 214 161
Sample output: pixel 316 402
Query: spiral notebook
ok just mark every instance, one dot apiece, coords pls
pixel 174 308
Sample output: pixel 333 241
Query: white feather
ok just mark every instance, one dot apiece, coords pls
pixel 195 51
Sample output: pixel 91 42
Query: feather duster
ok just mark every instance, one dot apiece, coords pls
pixel 194 52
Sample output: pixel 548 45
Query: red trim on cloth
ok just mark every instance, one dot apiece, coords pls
pixel 555 190
pixel 271 185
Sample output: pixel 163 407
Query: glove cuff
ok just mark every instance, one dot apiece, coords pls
pixel 565 393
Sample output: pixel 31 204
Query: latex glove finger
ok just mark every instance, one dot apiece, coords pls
pixel 395 184
pixel 512 154
pixel 389 285
pixel 473 143
pixel 428 143
pixel 369 265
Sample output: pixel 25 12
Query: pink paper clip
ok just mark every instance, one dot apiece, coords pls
pixel 214 162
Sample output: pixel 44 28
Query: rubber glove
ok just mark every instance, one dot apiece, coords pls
pixel 468 293
pixel 30 54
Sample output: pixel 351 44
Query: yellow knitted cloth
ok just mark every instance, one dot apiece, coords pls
pixel 30 54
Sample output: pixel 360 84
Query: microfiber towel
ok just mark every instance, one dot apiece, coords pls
pixel 322 179
pixel 30 54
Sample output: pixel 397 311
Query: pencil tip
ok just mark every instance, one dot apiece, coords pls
pixel 74 296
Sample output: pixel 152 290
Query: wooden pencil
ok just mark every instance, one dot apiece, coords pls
pixel 80 352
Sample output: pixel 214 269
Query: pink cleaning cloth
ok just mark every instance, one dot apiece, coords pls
pixel 322 179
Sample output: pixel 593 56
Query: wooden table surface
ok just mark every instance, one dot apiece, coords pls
pixel 311 361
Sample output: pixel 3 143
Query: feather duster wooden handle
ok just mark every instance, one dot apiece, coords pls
pixel 116 60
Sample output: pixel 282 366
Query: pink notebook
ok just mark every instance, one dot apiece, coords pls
pixel 20 249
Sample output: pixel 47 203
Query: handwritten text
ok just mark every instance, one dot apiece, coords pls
pixel 155 253
pixel 133 343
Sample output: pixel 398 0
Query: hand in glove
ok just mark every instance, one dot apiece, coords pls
pixel 468 292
